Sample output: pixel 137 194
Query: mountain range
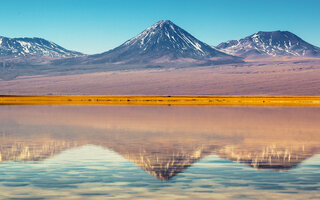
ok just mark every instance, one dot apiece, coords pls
pixel 164 44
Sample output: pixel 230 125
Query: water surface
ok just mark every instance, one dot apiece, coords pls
pixel 121 152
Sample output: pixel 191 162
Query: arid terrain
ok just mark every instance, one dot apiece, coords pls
pixel 281 76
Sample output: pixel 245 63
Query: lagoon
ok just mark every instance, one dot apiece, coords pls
pixel 172 152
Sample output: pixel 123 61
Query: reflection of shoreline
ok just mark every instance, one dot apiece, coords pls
pixel 257 137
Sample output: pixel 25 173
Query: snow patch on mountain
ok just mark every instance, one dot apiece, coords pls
pixel 25 47
pixel 276 43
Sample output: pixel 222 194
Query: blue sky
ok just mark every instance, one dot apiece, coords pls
pixel 95 26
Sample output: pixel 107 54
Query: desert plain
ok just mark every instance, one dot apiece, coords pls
pixel 282 76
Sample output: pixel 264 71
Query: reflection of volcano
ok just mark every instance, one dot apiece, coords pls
pixel 164 166
pixel 165 145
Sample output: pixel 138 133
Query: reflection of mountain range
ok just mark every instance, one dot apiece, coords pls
pixel 167 163
pixel 160 148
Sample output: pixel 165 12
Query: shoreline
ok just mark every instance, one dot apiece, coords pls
pixel 159 100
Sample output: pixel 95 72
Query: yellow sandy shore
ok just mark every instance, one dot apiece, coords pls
pixel 160 100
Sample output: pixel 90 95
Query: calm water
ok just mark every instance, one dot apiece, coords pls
pixel 123 152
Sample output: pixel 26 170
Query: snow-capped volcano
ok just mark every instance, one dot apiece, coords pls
pixel 35 47
pixel 162 41
pixel 275 43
